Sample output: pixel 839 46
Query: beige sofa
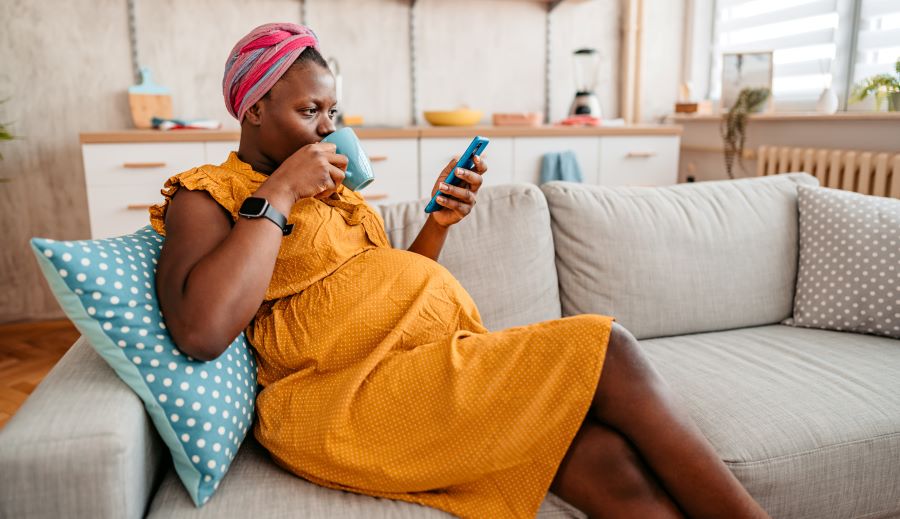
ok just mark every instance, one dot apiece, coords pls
pixel 702 274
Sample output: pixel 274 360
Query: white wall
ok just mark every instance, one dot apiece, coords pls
pixel 662 51
pixel 65 67
pixel 485 54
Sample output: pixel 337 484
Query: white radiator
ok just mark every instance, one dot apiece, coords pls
pixel 866 172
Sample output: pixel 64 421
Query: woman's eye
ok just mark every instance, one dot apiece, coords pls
pixel 308 111
pixel 333 112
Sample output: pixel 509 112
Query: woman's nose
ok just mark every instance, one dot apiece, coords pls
pixel 326 127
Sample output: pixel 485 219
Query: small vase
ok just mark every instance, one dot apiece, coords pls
pixel 894 102
pixel 828 102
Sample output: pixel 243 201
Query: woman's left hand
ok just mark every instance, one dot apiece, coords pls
pixel 460 199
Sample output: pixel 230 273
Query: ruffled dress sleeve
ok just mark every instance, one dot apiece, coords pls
pixel 212 179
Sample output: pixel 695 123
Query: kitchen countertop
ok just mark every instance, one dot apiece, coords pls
pixel 125 136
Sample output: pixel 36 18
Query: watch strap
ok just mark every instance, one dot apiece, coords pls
pixel 268 212
pixel 278 219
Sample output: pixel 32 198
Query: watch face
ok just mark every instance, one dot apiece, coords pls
pixel 253 206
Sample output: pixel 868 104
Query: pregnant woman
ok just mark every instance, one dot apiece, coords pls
pixel 378 376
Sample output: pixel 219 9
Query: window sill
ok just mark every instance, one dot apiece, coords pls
pixel 793 116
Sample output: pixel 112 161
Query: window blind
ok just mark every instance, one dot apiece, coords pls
pixel 803 35
pixel 878 40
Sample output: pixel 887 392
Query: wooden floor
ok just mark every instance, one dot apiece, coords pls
pixel 27 352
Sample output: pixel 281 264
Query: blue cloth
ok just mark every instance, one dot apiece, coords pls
pixel 202 410
pixel 560 166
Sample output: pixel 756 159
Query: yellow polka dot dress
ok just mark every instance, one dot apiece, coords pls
pixel 379 378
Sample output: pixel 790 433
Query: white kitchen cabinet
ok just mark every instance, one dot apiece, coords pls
pixel 123 180
pixel 395 163
pixel 638 161
pixel 217 151
pixel 118 210
pixel 435 153
pixel 124 177
pixel 128 164
pixel 529 153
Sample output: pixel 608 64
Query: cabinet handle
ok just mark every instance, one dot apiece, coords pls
pixel 138 207
pixel 640 154
pixel 375 196
pixel 143 165
pixel 378 158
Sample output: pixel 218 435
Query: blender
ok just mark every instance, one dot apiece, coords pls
pixel 587 68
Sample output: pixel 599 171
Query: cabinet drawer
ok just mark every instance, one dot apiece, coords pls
pixel 437 152
pixel 394 162
pixel 144 163
pixel 638 161
pixel 530 151
pixel 118 210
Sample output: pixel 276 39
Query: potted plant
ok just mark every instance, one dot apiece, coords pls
pixel 734 124
pixel 881 86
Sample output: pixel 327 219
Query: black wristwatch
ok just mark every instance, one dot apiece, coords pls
pixel 256 207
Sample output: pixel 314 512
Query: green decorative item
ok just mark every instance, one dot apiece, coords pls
pixel 5 134
pixel 881 86
pixel 734 124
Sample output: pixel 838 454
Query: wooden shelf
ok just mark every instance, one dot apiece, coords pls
pixel 795 116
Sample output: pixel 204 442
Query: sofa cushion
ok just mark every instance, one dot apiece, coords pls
pixel 502 253
pixel 849 277
pixel 256 487
pixel 202 410
pixel 808 420
pixel 681 259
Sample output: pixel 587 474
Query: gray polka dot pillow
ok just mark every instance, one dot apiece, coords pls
pixel 849 262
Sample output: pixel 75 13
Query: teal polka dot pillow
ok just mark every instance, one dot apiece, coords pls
pixel 202 410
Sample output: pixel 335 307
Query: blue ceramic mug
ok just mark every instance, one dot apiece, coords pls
pixel 359 170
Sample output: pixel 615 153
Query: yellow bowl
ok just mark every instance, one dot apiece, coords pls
pixel 461 117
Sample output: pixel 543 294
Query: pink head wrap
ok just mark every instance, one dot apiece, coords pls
pixel 259 60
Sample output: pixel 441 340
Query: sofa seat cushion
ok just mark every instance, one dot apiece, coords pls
pixel 256 487
pixel 502 253
pixel 808 420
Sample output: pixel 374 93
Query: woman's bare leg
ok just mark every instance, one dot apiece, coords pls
pixel 633 399
pixel 603 476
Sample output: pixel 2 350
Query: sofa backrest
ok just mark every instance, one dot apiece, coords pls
pixel 682 259
pixel 502 253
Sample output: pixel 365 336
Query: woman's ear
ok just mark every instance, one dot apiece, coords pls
pixel 253 115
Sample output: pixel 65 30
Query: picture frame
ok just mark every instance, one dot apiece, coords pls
pixel 741 70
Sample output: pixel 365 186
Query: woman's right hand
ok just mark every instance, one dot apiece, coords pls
pixel 315 170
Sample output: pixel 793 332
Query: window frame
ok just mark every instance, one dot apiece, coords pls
pixel 706 13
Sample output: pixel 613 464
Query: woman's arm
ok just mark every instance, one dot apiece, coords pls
pixel 431 238
pixel 212 276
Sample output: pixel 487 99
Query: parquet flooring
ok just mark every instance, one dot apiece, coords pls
pixel 27 353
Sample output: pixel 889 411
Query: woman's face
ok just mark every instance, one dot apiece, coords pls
pixel 297 111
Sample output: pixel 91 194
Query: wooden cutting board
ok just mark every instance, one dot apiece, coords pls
pixel 148 100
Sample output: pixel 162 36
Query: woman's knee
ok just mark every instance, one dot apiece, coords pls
pixel 626 373
pixel 622 337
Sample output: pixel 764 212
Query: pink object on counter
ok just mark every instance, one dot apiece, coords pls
pixel 581 120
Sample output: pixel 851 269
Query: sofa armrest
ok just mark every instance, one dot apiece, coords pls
pixel 81 446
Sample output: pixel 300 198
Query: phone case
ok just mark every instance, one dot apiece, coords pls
pixel 477 146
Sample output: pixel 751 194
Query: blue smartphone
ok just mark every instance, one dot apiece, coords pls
pixel 478 145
